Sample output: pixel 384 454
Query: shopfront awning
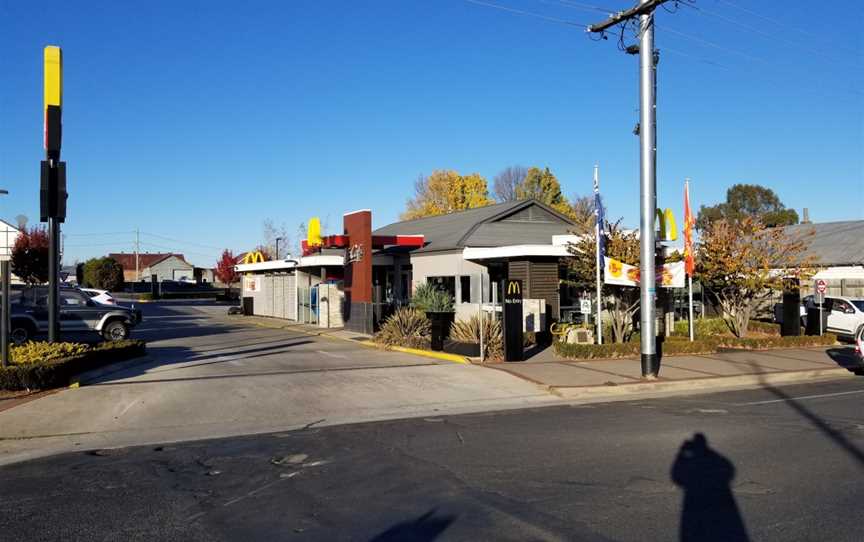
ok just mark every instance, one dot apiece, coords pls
pixel 515 251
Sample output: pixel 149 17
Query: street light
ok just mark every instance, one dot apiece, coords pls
pixel 277 246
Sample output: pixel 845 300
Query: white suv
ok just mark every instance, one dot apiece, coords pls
pixel 845 315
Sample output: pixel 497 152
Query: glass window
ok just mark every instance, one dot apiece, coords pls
pixel 859 303
pixel 448 284
pixel 465 286
pixel 840 306
pixel 72 299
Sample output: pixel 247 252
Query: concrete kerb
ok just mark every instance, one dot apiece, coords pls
pixel 628 391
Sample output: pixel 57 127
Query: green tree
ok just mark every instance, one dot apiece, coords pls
pixel 621 302
pixel 748 200
pixel 103 273
pixel 737 262
pixel 542 185
pixel 446 191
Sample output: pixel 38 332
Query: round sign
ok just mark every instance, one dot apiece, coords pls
pixel 821 286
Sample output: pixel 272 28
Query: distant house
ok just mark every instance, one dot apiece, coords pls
pixel 164 266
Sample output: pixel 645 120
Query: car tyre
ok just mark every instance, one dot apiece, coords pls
pixel 21 332
pixel 115 331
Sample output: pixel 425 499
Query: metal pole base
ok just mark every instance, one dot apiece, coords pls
pixel 649 366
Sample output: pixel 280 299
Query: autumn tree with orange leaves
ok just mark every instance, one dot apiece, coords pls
pixel 740 263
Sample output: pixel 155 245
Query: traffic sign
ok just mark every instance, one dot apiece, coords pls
pixel 821 286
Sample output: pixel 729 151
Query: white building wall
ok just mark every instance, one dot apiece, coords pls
pixel 444 264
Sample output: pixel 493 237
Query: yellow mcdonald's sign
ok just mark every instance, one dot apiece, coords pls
pixel 313 233
pixel 513 287
pixel 53 77
pixel 253 257
pixel 668 227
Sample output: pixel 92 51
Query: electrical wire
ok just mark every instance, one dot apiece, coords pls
pixel 527 13
pixel 776 22
pixel 768 35
pixel 180 241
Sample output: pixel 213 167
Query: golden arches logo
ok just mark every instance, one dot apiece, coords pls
pixel 668 227
pixel 313 233
pixel 513 287
pixel 253 257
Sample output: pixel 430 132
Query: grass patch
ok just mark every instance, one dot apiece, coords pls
pixel 40 366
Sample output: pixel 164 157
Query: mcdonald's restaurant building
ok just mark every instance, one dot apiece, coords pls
pixel 354 279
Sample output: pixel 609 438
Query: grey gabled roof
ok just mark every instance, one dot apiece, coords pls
pixel 833 243
pixel 510 223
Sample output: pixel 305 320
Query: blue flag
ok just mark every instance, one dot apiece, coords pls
pixel 601 221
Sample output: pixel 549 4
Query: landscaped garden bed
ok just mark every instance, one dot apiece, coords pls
pixel 42 365
pixel 711 334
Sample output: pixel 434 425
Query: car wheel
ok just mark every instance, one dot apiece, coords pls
pixel 115 331
pixel 20 333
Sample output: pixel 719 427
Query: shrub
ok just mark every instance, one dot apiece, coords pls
pixel 468 331
pixel 710 327
pixel 407 326
pixel 41 352
pixel 57 372
pixel 428 298
pixel 705 345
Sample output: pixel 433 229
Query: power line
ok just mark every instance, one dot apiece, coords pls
pixel 776 22
pixel 100 234
pixel 527 13
pixel 174 250
pixel 759 31
pixel 181 241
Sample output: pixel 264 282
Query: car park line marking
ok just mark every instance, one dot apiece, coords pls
pixel 802 398
pixel 331 355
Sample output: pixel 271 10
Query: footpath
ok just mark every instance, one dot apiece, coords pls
pixel 621 379
pixel 739 368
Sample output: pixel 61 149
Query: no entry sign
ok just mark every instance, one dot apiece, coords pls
pixel 821 286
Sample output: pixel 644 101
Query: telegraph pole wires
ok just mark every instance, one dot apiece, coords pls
pixel 644 12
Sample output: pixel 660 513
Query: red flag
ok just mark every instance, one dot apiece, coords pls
pixel 689 263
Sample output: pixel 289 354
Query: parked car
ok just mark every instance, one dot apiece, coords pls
pixel 845 315
pixel 802 311
pixel 78 312
pixel 100 296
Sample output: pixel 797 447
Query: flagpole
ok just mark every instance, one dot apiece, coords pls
pixel 689 275
pixel 597 233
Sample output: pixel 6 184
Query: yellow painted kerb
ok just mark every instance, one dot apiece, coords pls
pixel 429 354
pixel 53 76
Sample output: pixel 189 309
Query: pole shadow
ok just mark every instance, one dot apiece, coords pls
pixel 709 512
pixel 425 528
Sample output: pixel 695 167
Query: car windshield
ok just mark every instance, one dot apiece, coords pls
pixel 859 303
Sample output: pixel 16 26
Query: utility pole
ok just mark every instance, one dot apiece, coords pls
pixel 5 256
pixel 137 252
pixel 647 178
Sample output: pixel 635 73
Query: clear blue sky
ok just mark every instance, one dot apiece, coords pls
pixel 197 120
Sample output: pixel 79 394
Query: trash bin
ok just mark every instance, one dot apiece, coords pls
pixel 248 306
pixel 440 331
pixel 813 321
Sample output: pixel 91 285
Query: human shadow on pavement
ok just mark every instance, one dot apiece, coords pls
pixel 847 358
pixel 425 528
pixel 709 512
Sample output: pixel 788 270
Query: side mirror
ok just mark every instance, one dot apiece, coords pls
pixel 850 311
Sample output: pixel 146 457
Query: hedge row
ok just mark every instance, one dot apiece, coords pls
pixel 675 346
pixel 57 373
pixel 705 327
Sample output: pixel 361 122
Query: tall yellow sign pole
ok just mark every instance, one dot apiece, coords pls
pixel 53 178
